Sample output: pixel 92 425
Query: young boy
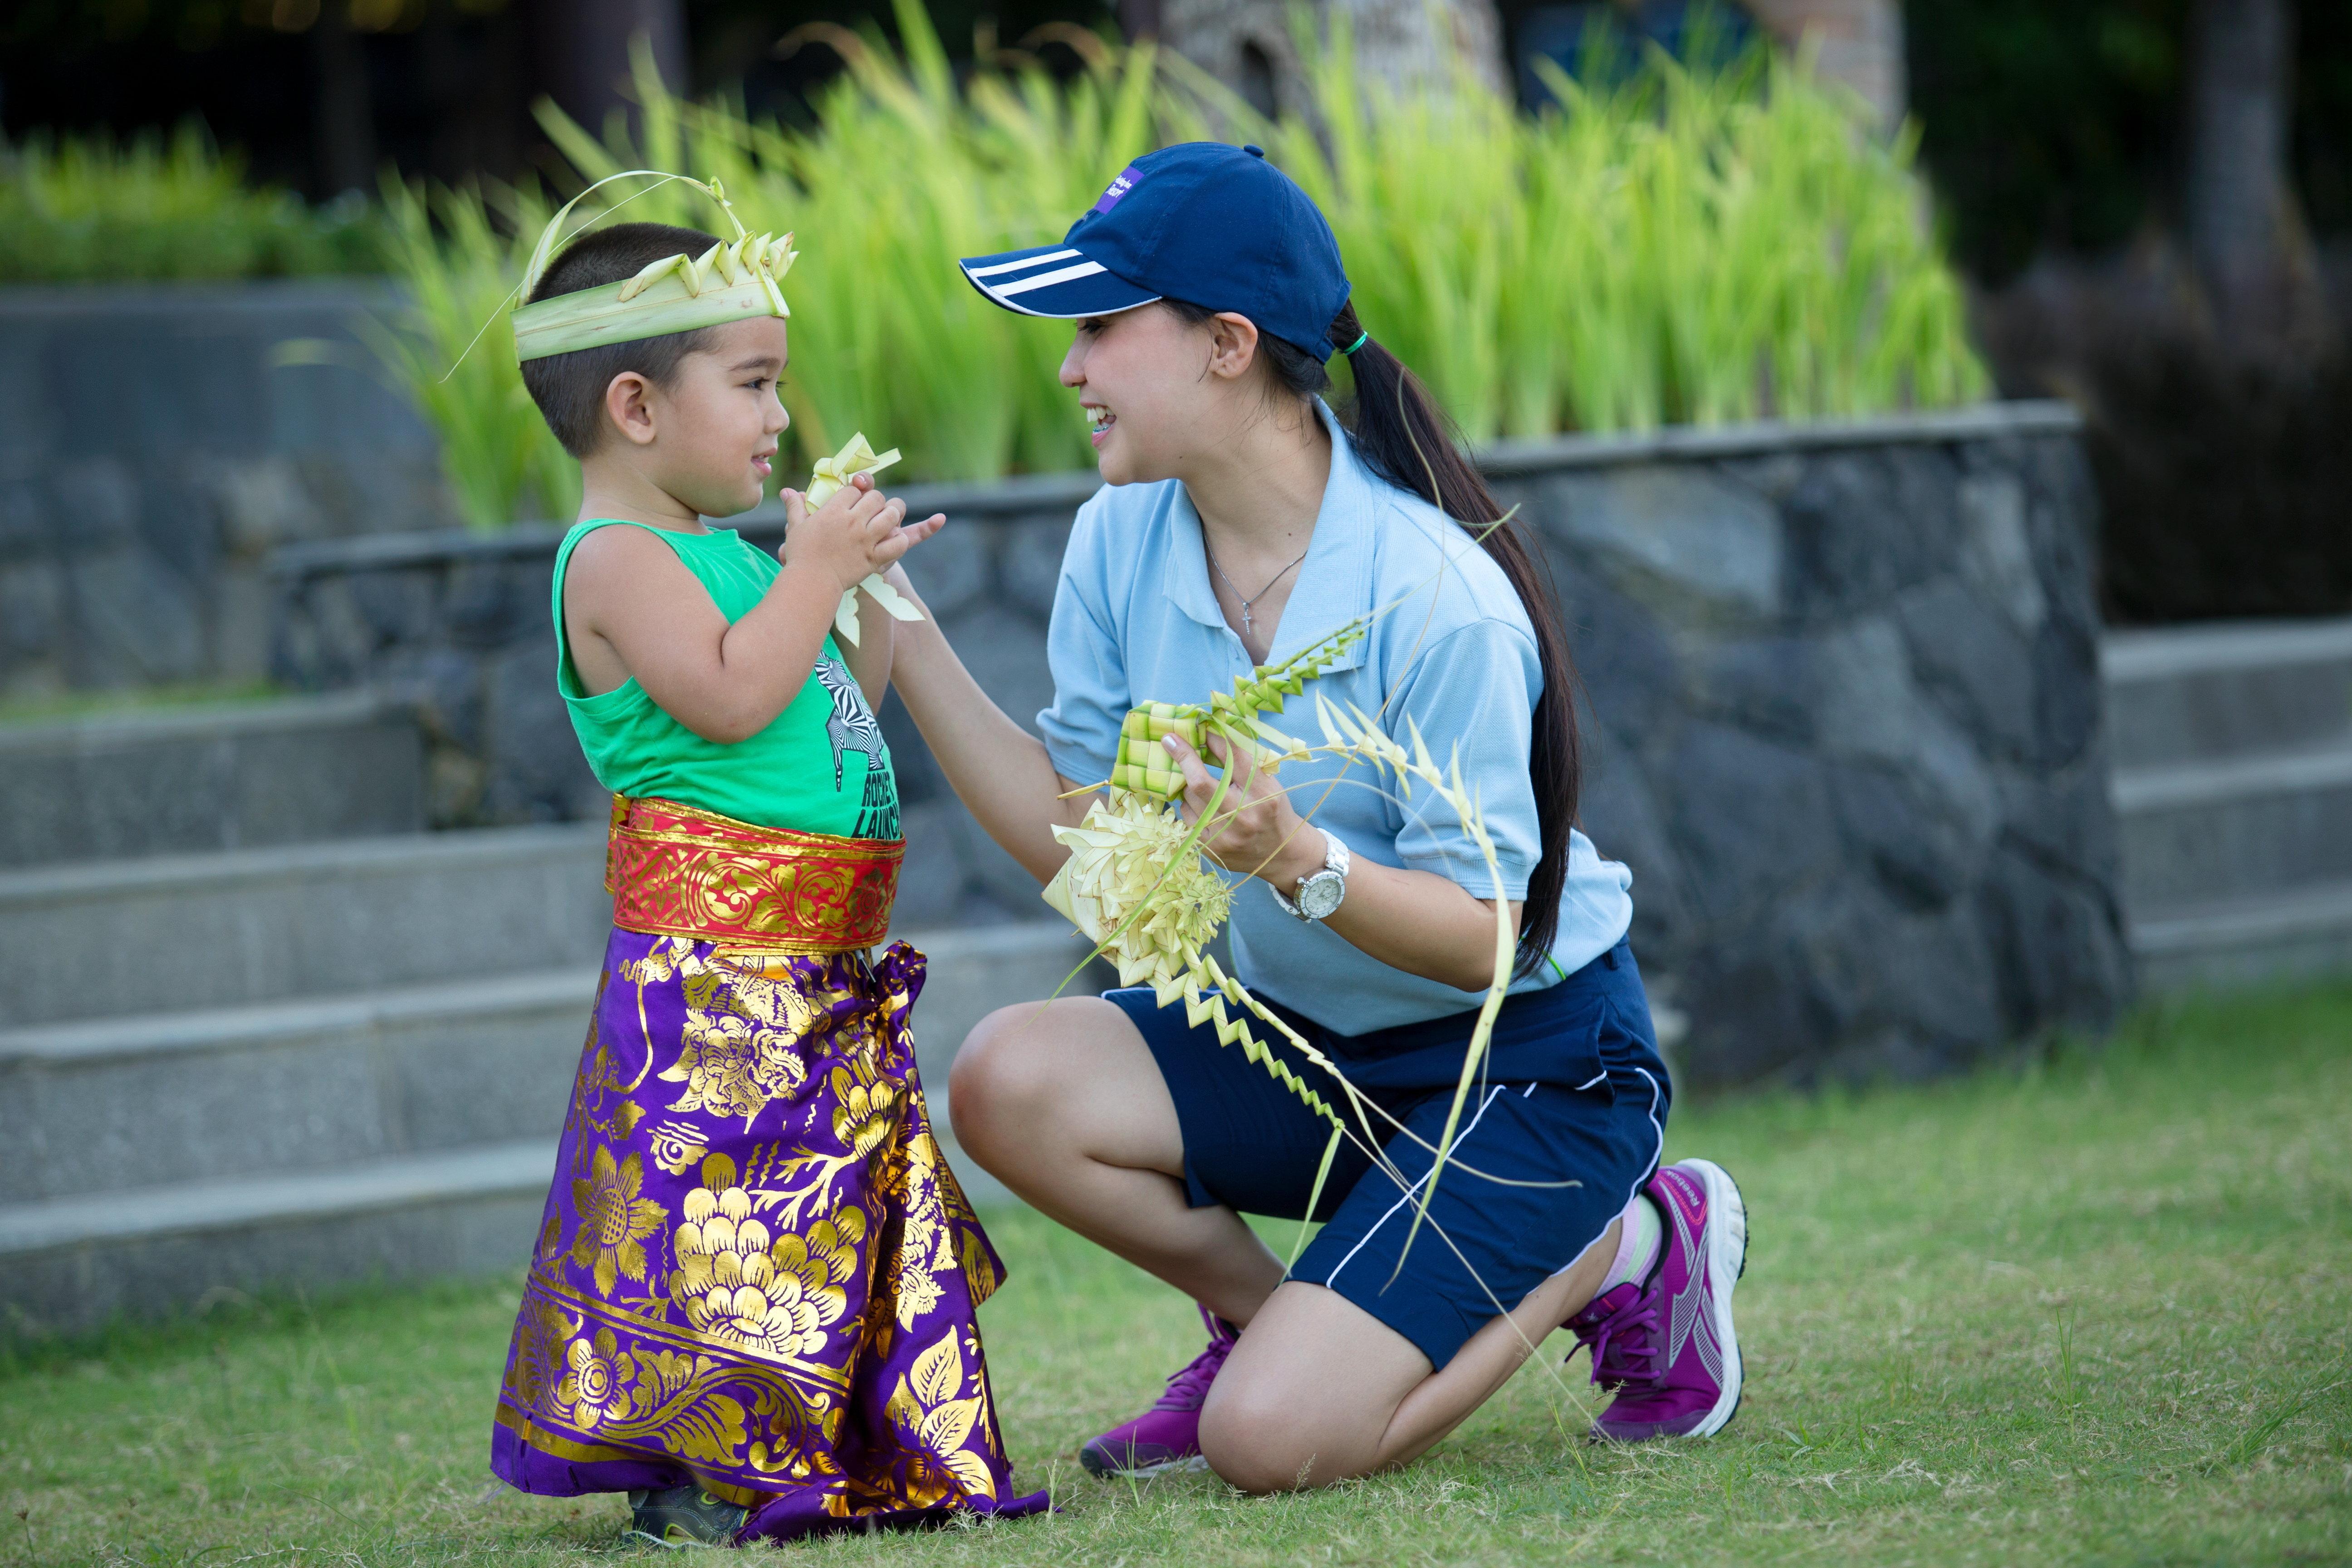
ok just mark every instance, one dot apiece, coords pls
pixel 751 1306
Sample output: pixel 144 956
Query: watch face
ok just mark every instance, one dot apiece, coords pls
pixel 1320 895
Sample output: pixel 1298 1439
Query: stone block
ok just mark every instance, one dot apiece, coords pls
pixel 135 622
pixel 2062 524
pixel 1922 855
pixel 536 771
pixel 2059 944
pixel 1821 682
pixel 484 604
pixel 1870 711
pixel 1865 524
pixel 1681 540
pixel 1006 654
pixel 1996 555
pixel 2067 696
pixel 1620 813
pixel 1907 993
pixel 1753 1015
pixel 931 878
pixel 1974 661
pixel 32 604
pixel 2065 819
pixel 261 501
pixel 94 505
pixel 25 526
pixel 1751 821
pixel 1032 563
pixel 395 606
pixel 1772 685
pixel 920 778
pixel 1630 670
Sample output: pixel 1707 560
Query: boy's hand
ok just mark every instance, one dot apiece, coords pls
pixel 857 531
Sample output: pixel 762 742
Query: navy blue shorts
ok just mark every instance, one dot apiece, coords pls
pixel 1574 1091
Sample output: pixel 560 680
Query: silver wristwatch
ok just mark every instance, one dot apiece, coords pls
pixel 1320 895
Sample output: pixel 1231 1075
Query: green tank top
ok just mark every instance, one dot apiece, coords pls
pixel 820 767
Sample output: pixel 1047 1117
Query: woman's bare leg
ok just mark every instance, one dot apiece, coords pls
pixel 1318 1389
pixel 1063 1103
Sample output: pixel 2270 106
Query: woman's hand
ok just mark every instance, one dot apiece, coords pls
pixel 1255 831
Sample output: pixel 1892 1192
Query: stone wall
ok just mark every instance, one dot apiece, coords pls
pixel 160 441
pixel 1842 705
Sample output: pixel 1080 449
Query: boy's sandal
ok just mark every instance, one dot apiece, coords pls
pixel 680 1517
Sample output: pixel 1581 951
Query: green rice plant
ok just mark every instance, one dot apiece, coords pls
pixel 1665 244
pixel 452 353
pixel 902 174
pixel 79 209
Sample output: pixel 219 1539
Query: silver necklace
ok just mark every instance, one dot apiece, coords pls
pixel 1247 621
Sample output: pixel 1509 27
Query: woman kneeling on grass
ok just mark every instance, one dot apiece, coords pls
pixel 1243 522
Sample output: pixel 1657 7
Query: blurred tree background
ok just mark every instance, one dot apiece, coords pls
pixel 2152 198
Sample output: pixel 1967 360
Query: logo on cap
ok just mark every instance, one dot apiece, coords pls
pixel 1118 187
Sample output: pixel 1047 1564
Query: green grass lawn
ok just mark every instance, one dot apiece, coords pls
pixel 2096 1310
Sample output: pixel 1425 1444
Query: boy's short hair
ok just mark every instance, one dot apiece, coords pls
pixel 570 388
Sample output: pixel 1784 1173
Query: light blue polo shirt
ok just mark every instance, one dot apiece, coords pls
pixel 1135 621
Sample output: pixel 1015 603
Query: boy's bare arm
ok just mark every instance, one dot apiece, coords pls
pixel 728 683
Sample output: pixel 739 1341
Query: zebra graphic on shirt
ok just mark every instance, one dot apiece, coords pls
pixel 851 726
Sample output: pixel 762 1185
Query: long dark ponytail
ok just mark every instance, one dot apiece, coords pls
pixel 1404 435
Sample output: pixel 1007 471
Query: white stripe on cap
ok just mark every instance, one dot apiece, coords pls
pixel 1017 266
pixel 1059 275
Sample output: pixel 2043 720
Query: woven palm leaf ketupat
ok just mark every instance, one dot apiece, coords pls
pixel 1136 884
pixel 832 473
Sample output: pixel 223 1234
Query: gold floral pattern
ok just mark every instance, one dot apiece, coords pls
pixel 745 1285
pixel 866 1109
pixel 591 1384
pixel 614 1220
pixel 677 1146
pixel 742 1048
pixel 929 1408
pixel 798 1334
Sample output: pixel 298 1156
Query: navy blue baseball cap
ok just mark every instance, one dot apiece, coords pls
pixel 1212 224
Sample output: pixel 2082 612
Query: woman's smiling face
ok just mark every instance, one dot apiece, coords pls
pixel 1144 378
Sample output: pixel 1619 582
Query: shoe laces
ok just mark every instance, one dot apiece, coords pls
pixel 1626 1345
pixel 1190 1386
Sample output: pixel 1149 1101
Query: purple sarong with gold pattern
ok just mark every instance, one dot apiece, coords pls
pixel 756 1273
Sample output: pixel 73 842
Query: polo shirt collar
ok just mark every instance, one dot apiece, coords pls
pixel 1335 580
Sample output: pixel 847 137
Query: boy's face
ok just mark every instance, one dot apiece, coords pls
pixel 715 425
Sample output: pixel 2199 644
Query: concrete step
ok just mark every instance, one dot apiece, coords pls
pixel 185 933
pixel 112 1104
pixel 2186 693
pixel 70 1264
pixel 2247 940
pixel 124 1103
pixel 2266 824
pixel 180 781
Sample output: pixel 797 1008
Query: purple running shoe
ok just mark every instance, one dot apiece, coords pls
pixel 1666 1346
pixel 1168 1436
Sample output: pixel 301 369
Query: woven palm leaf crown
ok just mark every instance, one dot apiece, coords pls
pixel 732 281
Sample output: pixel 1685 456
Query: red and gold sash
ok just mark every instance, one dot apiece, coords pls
pixel 677 870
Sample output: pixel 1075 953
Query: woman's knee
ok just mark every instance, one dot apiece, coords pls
pixel 1254 1443
pixel 997 1077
